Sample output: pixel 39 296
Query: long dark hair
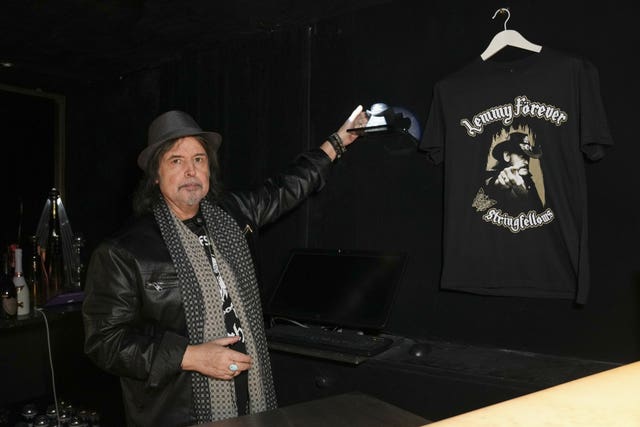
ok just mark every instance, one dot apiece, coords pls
pixel 148 192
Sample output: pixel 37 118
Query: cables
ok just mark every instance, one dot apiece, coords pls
pixel 274 319
pixel 53 377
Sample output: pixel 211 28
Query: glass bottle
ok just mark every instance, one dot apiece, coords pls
pixel 41 421
pixel 94 419
pixel 52 414
pixel 7 291
pixel 52 261
pixel 29 412
pixel 34 278
pixel 78 262
pixel 22 289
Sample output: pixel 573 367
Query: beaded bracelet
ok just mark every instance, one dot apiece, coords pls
pixel 337 144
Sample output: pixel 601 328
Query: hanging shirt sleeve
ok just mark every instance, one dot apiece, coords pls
pixel 595 138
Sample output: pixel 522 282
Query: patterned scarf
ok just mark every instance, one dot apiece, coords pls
pixel 215 399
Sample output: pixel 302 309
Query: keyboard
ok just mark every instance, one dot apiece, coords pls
pixel 322 339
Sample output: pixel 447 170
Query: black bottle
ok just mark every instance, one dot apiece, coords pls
pixel 7 291
pixel 34 276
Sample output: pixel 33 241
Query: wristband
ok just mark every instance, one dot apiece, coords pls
pixel 337 144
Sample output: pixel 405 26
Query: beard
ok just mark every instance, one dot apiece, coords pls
pixel 193 199
pixel 194 191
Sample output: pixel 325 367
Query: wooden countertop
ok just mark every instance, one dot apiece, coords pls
pixel 606 399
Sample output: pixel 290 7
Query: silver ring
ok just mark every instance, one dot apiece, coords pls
pixel 233 367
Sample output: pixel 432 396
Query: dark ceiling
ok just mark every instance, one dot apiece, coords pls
pixel 101 38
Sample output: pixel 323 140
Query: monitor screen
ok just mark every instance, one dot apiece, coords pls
pixel 350 289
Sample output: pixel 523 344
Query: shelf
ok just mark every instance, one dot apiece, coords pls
pixel 35 318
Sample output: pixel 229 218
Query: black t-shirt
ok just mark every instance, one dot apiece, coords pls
pixel 533 120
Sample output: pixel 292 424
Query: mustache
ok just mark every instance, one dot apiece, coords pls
pixel 190 183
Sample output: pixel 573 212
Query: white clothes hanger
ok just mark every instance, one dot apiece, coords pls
pixel 507 38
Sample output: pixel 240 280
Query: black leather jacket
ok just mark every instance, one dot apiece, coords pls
pixel 134 320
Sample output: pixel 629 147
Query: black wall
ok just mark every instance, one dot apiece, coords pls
pixel 383 198
pixel 273 95
pixel 28 122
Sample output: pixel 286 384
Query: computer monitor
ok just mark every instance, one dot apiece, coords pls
pixel 342 288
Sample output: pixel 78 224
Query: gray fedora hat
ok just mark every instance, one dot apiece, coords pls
pixel 173 125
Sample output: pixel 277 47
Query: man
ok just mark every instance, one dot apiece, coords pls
pixel 171 303
pixel 510 183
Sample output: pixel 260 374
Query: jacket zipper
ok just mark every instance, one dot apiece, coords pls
pixel 155 285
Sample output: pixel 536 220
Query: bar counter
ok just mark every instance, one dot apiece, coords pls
pixel 606 399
